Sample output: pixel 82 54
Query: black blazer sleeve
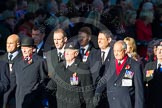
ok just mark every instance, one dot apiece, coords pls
pixel 4 77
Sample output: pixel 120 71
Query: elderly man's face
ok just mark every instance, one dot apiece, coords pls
pixel 119 51
pixel 159 52
pixel 26 51
pixel 70 54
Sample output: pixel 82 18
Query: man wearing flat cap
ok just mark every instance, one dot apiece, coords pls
pixel 153 77
pixel 73 80
pixel 30 75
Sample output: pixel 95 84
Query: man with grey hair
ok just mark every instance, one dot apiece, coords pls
pixel 123 81
pixel 72 78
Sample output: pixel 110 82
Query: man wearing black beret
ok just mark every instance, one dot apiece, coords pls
pixel 30 74
pixel 73 80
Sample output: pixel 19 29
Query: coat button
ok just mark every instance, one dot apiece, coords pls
pixel 113 98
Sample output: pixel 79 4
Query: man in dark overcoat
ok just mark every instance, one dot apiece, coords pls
pixel 30 74
pixel 153 78
pixel 73 80
pixel 4 80
pixel 12 55
pixel 123 81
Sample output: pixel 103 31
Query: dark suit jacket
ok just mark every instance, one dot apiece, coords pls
pixel 123 96
pixel 29 79
pixel 5 58
pixel 4 80
pixel 88 52
pixel 73 96
pixel 11 92
pixel 154 82
pixel 97 69
pixel 52 60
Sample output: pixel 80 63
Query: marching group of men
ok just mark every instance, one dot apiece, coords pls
pixel 74 74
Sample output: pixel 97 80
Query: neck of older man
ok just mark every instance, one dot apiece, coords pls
pixel 70 62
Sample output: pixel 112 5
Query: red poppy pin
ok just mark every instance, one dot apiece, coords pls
pixel 127 67
pixel 87 53
pixel 30 61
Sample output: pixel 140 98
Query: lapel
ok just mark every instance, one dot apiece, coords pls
pixel 111 74
pixel 99 55
pixel 18 56
pixel 54 57
pixel 109 57
pixel 122 72
pixel 154 65
pixel 41 50
pixel 89 48
pixel 74 66
pixel 25 65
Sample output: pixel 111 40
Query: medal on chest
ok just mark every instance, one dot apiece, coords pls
pixel 74 80
pixel 127 80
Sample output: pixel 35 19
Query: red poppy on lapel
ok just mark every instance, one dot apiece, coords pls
pixel 87 53
pixel 127 67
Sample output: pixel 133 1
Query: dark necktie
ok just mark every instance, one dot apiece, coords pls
pixel 10 57
pixel 119 63
pixel 59 56
pixel 82 51
pixel 102 56
pixel 159 66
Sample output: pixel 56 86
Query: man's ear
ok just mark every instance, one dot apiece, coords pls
pixel 65 39
pixel 76 53
pixel 89 38
pixel 18 44
pixel 109 40
pixel 34 49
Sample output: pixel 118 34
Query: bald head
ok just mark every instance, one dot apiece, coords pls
pixel 13 42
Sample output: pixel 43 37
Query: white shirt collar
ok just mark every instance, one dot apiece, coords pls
pixel 69 63
pixel 158 64
pixel 60 50
pixel 106 52
pixel 14 54
pixel 40 45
